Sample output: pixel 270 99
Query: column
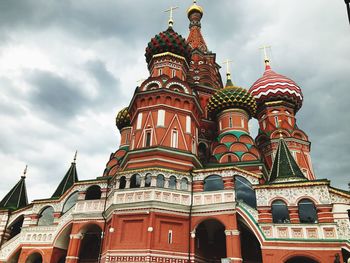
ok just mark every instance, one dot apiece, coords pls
pixel 228 182
pixel 293 214
pixel 193 245
pixel 233 246
pixel 73 248
pixel 198 186
pixel 233 241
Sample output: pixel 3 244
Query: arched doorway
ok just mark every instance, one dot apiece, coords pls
pixel 210 243
pixel 90 244
pixel 250 246
pixel 301 259
pixel 34 258
pixel 61 243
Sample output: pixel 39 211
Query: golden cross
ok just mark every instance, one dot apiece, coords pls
pixel 75 156
pixel 264 48
pixel 25 171
pixel 227 62
pixel 170 10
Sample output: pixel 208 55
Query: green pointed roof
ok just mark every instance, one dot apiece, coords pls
pixel 68 180
pixel 17 197
pixel 284 166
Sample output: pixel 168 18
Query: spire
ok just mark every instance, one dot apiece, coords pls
pixel 195 38
pixel 284 166
pixel 170 10
pixel 68 180
pixel 17 197
pixel 266 58
pixel 229 82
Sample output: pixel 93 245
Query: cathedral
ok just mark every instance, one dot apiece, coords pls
pixel 188 183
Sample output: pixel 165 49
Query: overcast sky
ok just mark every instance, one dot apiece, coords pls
pixel 67 67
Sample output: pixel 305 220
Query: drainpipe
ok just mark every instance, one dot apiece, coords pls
pixel 105 220
pixel 3 235
pixel 190 220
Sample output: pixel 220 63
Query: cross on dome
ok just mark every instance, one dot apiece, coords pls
pixel 170 10
pixel 25 171
pixel 75 156
pixel 266 58
pixel 228 73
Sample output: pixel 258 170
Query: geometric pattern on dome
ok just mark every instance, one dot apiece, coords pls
pixel 168 41
pixel 123 118
pixel 272 86
pixel 232 97
pixel 238 145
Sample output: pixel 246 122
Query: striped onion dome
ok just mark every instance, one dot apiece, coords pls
pixel 123 118
pixel 231 97
pixel 272 87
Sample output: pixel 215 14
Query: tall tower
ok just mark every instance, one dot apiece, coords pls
pixel 164 111
pixel 232 107
pixel 203 76
pixel 279 99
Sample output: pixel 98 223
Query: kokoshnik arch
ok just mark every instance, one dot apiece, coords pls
pixel 188 182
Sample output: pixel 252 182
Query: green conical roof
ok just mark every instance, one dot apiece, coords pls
pixel 68 180
pixel 17 197
pixel 284 166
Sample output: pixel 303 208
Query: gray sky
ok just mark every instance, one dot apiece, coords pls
pixel 67 67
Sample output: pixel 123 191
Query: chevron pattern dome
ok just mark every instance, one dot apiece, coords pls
pixel 123 118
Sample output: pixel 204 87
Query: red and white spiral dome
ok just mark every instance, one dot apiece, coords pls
pixel 273 87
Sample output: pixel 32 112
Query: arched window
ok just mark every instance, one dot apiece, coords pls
pixel 160 180
pixel 184 184
pixel 93 193
pixel 148 180
pixel 46 217
pixel 307 211
pixel 213 183
pixel 135 181
pixel 122 182
pixel 245 191
pixel 280 212
pixel 172 182
pixel 70 202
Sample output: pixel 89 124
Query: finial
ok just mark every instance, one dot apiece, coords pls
pixel 25 171
pixel 75 156
pixel 228 74
pixel 266 58
pixel 170 10
pixel 280 130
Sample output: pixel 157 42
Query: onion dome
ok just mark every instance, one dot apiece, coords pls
pixel 231 97
pixel 123 118
pixel 168 41
pixel 194 8
pixel 273 86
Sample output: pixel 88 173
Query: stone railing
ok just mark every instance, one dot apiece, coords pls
pixel 89 206
pixel 38 234
pixel 300 231
pixel 215 197
pixel 128 196
pixel 9 247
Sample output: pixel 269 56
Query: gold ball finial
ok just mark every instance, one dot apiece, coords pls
pixel 194 7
